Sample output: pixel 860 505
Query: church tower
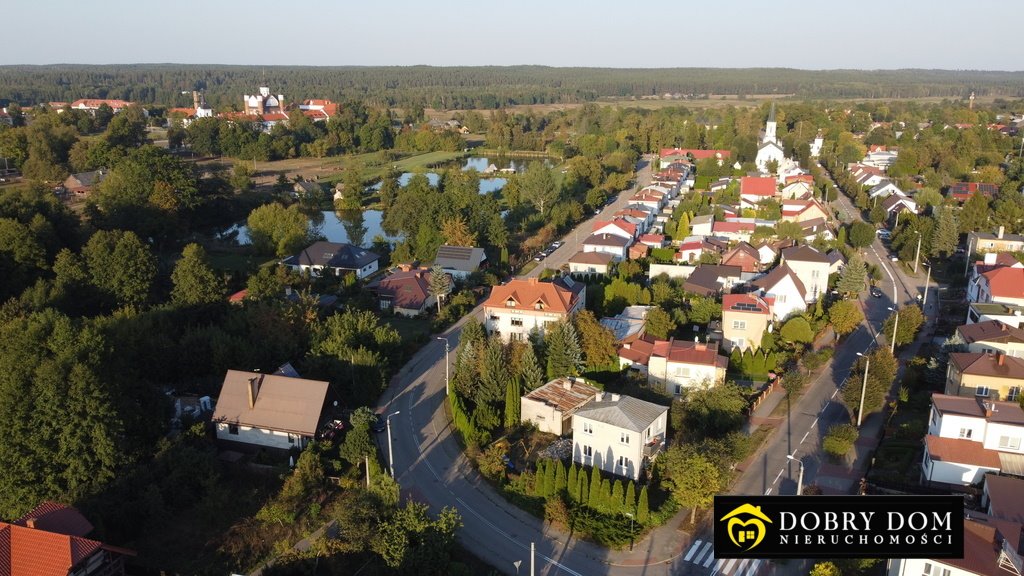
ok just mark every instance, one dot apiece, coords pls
pixel 769 127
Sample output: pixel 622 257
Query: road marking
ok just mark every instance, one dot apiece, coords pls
pixel 710 559
pixel 804 439
pixel 693 549
pixel 742 566
pixel 768 491
pixel 516 542
pixel 777 476
pixel 703 551
pixel 729 565
pixel 754 567
pixel 815 423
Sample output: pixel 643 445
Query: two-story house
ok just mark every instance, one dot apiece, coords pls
pixel 990 376
pixel 618 434
pixel 992 547
pixel 786 290
pixel 968 437
pixel 515 308
pixel 745 318
pixel 257 410
pixel 334 259
pixel 1004 284
pixel 673 365
pixel 993 336
pixel 612 244
pixel 811 266
pixel 998 242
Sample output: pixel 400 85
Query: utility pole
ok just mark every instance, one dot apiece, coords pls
pixel 895 326
pixel 927 280
pixel 863 388
pixel 967 265
pixel 917 255
pixel 446 377
pixel 533 552
pixel 391 455
pixel 366 461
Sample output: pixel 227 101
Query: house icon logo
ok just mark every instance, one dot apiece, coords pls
pixel 746 526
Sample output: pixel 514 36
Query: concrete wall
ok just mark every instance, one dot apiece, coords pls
pixel 672 270
pixel 545 417
pixel 952 472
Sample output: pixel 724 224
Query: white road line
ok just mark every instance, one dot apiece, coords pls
pixel 692 551
pixel 768 491
pixel 754 567
pixel 729 565
pixel 742 566
pixel 834 394
pixel 710 559
pixel 804 439
pixel 516 542
pixel 815 423
pixel 777 476
pixel 703 551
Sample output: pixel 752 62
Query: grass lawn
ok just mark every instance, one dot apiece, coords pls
pixel 237 262
pixel 409 328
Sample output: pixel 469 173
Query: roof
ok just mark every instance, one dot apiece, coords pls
pixel 606 240
pixel 960 451
pixel 835 256
pixel 1006 236
pixel 560 295
pixel 97 102
pixel 756 185
pixel 408 289
pixel 564 394
pixel 34 552
pixel 460 258
pixel 686 352
pixel 697 154
pixel 705 278
pixel 804 253
pixel 1006 281
pixel 1004 496
pixel 601 258
pixel 997 308
pixel 982 364
pixel 57 518
pixel 732 227
pixel 281 403
pixel 892 201
pixel 1001 412
pixel 333 255
pixel 745 303
pixel 972 187
pixel 702 219
pixel 622 411
pixel 628 323
pixel 777 275
pixel 621 223
pixel 89 178
pixel 982 544
pixel 990 331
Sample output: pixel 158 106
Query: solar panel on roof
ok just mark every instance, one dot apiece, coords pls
pixel 745 307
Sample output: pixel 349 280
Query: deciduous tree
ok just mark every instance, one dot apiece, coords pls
pixel 845 316
pixel 194 280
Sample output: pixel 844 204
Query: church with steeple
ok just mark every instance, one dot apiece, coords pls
pixel 769 149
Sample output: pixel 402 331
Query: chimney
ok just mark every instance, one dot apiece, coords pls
pixel 1001 358
pixel 988 409
pixel 254 390
pixel 990 258
pixel 533 281
pixel 30 523
pixel 599 397
pixel 615 397
pixel 1000 233
pixel 567 383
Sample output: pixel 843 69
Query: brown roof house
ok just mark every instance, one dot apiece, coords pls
pixel 519 306
pixel 550 407
pixel 969 437
pixel 745 256
pixel 992 547
pixel 990 376
pixel 406 292
pixel 83 183
pixel 712 279
pixel 993 336
pixel 268 411
pixel 591 263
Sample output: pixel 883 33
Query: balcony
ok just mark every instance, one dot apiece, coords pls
pixel 654 447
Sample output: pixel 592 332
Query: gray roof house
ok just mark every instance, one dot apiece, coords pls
pixel 459 261
pixel 618 434
pixel 337 259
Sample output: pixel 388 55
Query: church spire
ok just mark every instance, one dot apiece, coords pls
pixel 771 114
pixel 770 127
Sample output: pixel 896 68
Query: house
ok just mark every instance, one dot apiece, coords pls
pixel 734 231
pixel 745 318
pixel 690 252
pixel 612 244
pixel 1001 497
pixel 1009 314
pixel 998 242
pixel 92 105
pixel 895 204
pixel 678 364
pixel 712 279
pixel 797 190
pixel 319 110
pixel 618 227
pixel 968 437
pixel 591 263
pixel 263 103
pixel 406 292
pixel 992 547
pixel 881 157
pixel 83 183
pixel 51 540
pixel 990 261
pixel 268 411
pixel 307 189
pixel 803 211
pixel 811 266
pixel 1004 285
pixel 653 240
pixel 334 259
pixel 515 308
pixel 991 337
pixel 745 256
pixel 642 219
pixel 627 325
pixel 767 253
pixel 719 185
pixel 754 189
pixel 993 376
pixel 962 191
pixel 787 291
pixel 701 225
pixel 618 434
pixel 769 150
pixel 811 230
pixel 884 189
pixel 867 175
pixel 551 406
pixel 836 261
pixel 459 261
pixel 669 155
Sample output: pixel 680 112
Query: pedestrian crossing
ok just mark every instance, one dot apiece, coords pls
pixel 702 554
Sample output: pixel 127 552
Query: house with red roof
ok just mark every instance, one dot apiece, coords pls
pixel 745 318
pixel 1004 285
pixel 673 365
pixel 690 252
pixel 319 110
pixel 733 231
pixel 406 292
pixel 51 541
pixel 962 191
pixel 653 240
pixel 91 105
pixel 754 189
pixel 743 255
pixel 618 227
pixel 803 210
pixel 521 305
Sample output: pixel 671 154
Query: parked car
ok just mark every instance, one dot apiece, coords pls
pixel 540 256
pixel 876 292
pixel 332 429
pixel 379 423
pixel 555 245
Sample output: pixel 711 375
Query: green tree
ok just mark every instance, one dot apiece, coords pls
pixel 945 238
pixel 559 477
pixel 861 234
pixel 797 330
pixel 266 284
pixel 825 569
pixel 910 321
pixel 530 373
pixel 597 343
pixel 538 186
pixel 512 397
pixel 715 411
pixel 853 278
pixel 120 264
pixel 845 316
pixel 659 324
pixel 410 542
pixel 194 281
pixel 572 483
pixel 595 501
pixel 494 373
pixel 358 444
pixel 643 510
pixel 564 356
pixel 615 505
pixel 878 213
pixel 839 440
pixel 629 503
pixel 974 215
pixel 440 284
pixel 274 229
pixel 691 477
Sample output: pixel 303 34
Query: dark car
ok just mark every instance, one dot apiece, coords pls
pixel 379 423
pixel 876 292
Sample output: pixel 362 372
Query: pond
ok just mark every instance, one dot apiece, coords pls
pixel 350 226
pixel 481 164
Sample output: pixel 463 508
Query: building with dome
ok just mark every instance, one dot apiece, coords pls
pixel 263 103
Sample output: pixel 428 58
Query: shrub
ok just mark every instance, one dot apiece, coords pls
pixel 839 440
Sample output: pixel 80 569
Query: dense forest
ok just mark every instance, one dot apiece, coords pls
pixel 484 87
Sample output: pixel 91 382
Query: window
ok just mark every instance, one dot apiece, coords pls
pixel 623 463
pixel 291 439
pixel 647 434
pixel 510 303
pixel 1013 394
pixel 588 428
pixel 814 273
pixel 966 433
pixel 538 306
pixel 981 391
pixel 739 325
pixel 935 418
pixel 781 298
pixel 741 343
pixel 1009 443
pixel 624 438
pixel 683 371
pixel 233 429
pixel 588 452
pixel 517 321
pixel 678 389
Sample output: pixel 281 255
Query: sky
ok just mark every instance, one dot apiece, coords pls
pixel 821 34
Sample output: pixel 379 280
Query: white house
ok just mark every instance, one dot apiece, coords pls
pixel 459 261
pixel 812 267
pixel 612 244
pixel 335 259
pixel 675 365
pixel 617 227
pixel 550 407
pixel 519 306
pixel 618 434
pixel 268 410
pixel 968 437
pixel 591 263
pixel 701 225
pixel 884 189
pixel 786 290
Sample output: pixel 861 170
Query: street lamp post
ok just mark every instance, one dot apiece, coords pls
pixel 800 477
pixel 630 530
pixel 917 255
pixel 517 564
pixel 391 454
pixel 863 388
pixel 447 391
pixel 927 280
pixel 967 264
pixel 895 326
